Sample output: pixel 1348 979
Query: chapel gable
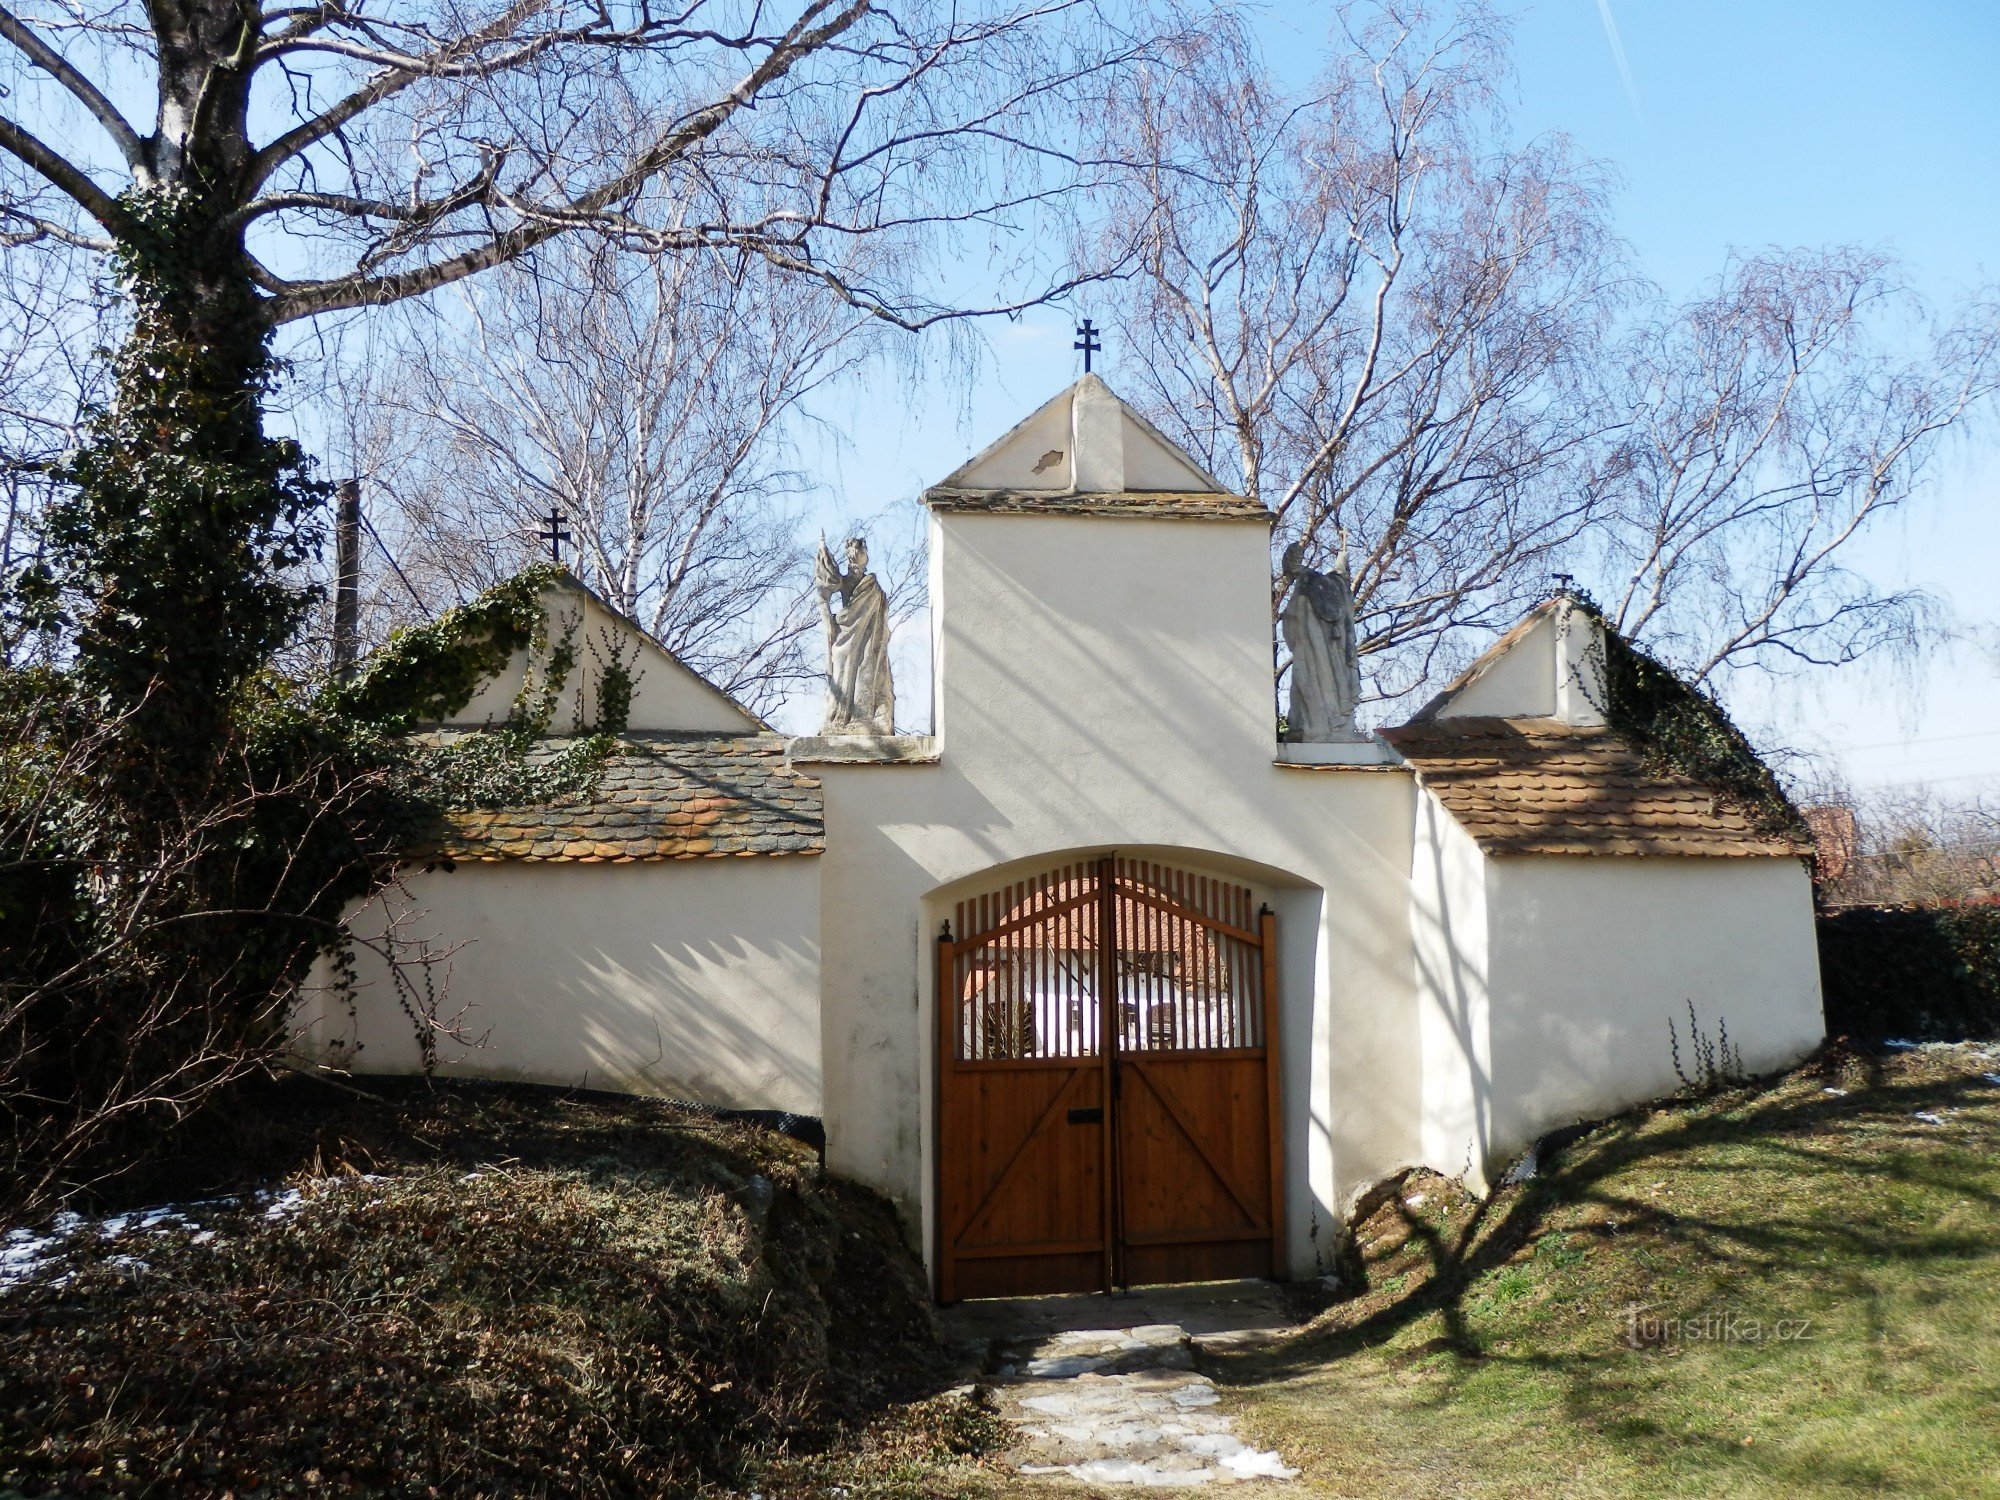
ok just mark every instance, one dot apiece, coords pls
pixel 668 696
pixel 1087 452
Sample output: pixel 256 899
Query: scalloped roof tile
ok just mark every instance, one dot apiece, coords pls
pixel 1540 786
pixel 662 797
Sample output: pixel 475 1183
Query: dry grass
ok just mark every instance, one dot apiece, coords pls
pixel 1497 1352
pixel 485 1292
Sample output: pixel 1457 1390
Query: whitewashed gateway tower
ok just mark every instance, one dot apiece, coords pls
pixel 1100 982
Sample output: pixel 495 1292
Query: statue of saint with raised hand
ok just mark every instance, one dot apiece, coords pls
pixel 1318 622
pixel 860 698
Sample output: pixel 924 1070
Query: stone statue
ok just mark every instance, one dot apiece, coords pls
pixel 860 698
pixel 1326 668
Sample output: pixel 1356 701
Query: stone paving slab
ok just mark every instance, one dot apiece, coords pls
pixel 1122 1405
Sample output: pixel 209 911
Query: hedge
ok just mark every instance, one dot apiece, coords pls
pixel 1921 973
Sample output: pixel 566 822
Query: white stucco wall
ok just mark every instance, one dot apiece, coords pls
pixel 665 696
pixel 1519 682
pixel 1587 960
pixel 1554 668
pixel 1101 684
pixel 1448 939
pixel 694 979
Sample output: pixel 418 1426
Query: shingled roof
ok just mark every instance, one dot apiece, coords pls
pixel 1178 505
pixel 661 797
pixel 1540 786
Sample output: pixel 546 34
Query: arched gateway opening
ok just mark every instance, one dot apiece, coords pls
pixel 1107 1083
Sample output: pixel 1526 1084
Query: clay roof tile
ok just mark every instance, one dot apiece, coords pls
pixel 661 797
pixel 1540 786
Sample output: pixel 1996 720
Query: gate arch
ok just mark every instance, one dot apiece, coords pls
pixel 1107 1082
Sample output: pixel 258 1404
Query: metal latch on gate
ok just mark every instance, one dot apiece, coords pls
pixel 1091 1116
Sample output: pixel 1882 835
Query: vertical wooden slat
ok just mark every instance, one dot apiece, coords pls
pixel 1057 979
pixel 1059 941
pixel 1107 1005
pixel 1023 1042
pixel 1198 940
pixel 947 1026
pixel 1157 941
pixel 1051 979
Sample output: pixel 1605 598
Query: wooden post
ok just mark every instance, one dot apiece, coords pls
pixel 1108 1020
pixel 346 578
pixel 946 1013
pixel 1267 933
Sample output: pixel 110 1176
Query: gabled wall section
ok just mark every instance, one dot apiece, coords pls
pixel 1549 666
pixel 668 696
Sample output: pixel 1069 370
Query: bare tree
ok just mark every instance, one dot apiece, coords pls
pixel 1357 308
pixel 351 154
pixel 648 402
pixel 1772 423
pixel 48 334
pixel 1912 846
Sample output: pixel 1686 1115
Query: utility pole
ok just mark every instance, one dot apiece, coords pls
pixel 346 577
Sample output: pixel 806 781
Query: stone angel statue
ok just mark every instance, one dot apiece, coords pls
pixel 860 698
pixel 1318 622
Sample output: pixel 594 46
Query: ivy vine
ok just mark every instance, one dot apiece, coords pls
pixel 1680 728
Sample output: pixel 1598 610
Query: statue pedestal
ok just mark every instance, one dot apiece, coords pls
pixel 862 750
pixel 1368 751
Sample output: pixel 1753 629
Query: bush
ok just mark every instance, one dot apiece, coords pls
pixel 1925 973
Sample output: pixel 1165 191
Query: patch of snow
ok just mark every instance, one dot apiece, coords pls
pixel 1993 1078
pixel 1252 1463
pixel 1837 1093
pixel 1929 1117
pixel 1063 1367
pixel 1131 1471
pixel 26 1255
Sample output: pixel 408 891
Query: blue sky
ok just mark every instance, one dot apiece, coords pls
pixel 1754 123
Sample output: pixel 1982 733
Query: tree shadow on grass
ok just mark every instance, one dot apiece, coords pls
pixel 1871 1134
pixel 1838 1198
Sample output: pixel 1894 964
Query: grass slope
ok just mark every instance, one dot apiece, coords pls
pixel 485 1292
pixel 1527 1345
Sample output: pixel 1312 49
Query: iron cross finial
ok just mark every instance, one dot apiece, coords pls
pixel 1086 340
pixel 1565 582
pixel 555 533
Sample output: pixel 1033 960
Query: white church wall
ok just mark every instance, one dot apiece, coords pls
pixel 1104 683
pixel 666 696
pixel 1591 958
pixel 1449 942
pixel 1520 682
pixel 1549 666
pixel 693 979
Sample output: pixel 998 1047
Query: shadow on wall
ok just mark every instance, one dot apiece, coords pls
pixel 1448 939
pixel 695 983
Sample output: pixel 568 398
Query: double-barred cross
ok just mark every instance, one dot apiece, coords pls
pixel 555 533
pixel 1086 340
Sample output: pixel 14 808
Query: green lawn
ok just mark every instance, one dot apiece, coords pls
pixel 1494 1353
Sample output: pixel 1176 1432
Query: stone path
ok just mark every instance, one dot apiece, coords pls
pixel 1124 1404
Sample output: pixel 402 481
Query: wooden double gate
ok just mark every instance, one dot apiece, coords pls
pixel 1107 1084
